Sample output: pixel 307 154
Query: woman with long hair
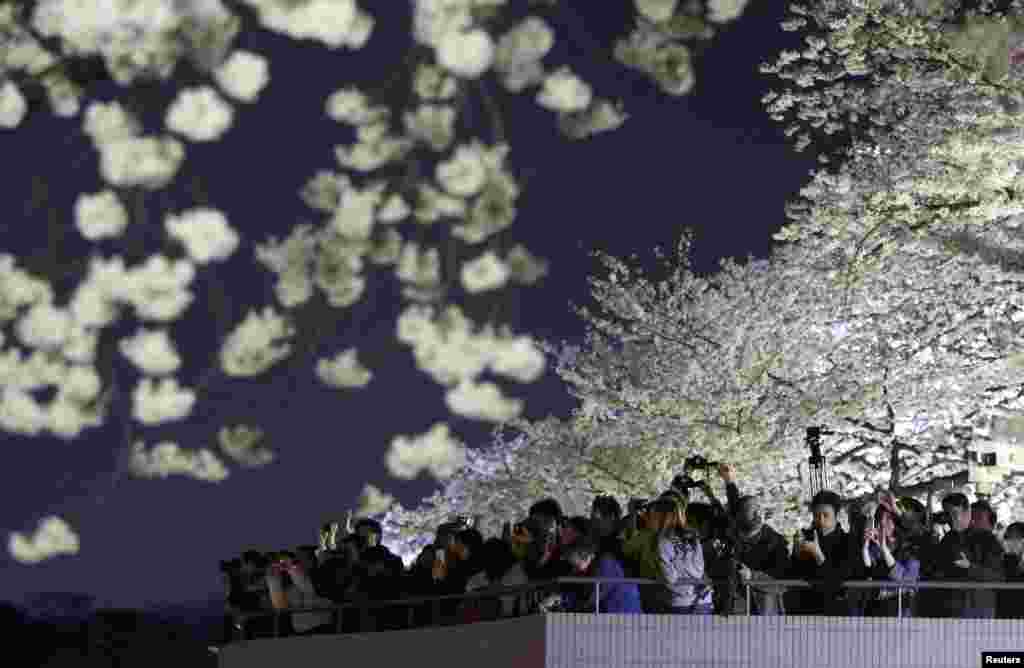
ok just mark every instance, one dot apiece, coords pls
pixel 887 556
pixel 668 551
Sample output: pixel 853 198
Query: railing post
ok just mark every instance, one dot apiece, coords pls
pixel 597 596
pixel 899 602
pixel 747 586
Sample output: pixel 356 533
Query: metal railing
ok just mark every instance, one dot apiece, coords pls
pixel 900 587
pixel 526 598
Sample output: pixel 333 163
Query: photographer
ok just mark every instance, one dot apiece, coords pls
pixel 713 522
pixel 665 549
pixel 759 551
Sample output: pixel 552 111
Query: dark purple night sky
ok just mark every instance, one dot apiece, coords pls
pixel 712 161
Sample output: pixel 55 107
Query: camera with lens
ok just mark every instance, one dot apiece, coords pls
pixel 942 518
pixel 697 462
pixel 684 483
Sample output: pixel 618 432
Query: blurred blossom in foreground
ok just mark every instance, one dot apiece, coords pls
pixel 52 537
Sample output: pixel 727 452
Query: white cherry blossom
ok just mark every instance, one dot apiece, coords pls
pixel 241 442
pixel 243 75
pixel 435 452
pixel 343 370
pixel 487 272
pixel 151 351
pixel 100 215
pixel 156 401
pixel 52 537
pixel 256 344
pixel 466 54
pixel 44 326
pixel 565 92
pixel 166 459
pixel 482 401
pixel 464 174
pixel 12 105
pixel 205 233
pixel 200 114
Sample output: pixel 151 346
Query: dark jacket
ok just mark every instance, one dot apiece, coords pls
pixel 1010 603
pixel 986 556
pixel 765 554
pixel 826 596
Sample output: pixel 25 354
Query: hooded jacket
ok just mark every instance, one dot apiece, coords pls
pixel 681 557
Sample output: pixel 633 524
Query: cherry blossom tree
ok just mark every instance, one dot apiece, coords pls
pixel 735 367
pixel 420 190
pixel 922 209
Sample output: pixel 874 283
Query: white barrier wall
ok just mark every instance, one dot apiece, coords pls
pixel 590 641
pixel 512 643
pixel 578 641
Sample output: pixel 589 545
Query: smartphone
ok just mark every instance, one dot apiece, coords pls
pixel 439 554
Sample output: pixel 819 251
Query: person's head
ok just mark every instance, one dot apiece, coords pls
pixel 748 514
pixel 983 516
pixel 231 569
pixel 467 544
pixel 885 522
pixel 574 528
pixel 699 516
pixel 541 541
pixel 1013 538
pixel 497 558
pixel 913 512
pixel 548 513
pixel 350 548
pixel 666 514
pixel 581 554
pixel 377 561
pixel 605 514
pixel 369 531
pixel 959 510
pixel 426 557
pixel 306 555
pixel 825 508
pixel 252 562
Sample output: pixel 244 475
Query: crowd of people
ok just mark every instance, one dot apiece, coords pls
pixel 670 540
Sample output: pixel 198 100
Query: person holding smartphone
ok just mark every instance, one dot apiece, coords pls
pixel 886 556
pixel 822 556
